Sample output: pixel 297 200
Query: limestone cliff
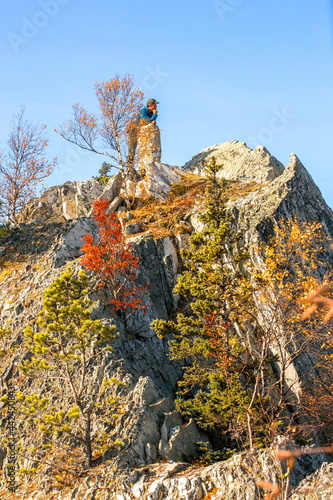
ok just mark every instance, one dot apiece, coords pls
pixel 34 252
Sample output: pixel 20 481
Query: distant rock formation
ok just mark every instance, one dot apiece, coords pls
pixel 239 162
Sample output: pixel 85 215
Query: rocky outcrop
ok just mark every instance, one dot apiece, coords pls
pixel 154 183
pixel 233 479
pixel 318 486
pixel 71 200
pixel 149 146
pixel 291 194
pixel 153 179
pixel 33 254
pixel 238 162
pixel 61 203
pixel 112 189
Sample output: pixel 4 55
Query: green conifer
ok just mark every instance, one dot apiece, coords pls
pixel 67 353
pixel 215 295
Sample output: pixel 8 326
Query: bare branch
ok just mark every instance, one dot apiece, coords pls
pixel 119 104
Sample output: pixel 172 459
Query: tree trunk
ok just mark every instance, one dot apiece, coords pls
pixel 87 443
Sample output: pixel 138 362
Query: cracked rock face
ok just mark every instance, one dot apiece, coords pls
pixel 149 145
pixel 71 200
pixel 318 486
pixel 155 182
pixel 61 203
pixel 293 194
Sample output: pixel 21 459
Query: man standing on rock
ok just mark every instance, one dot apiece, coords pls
pixel 146 116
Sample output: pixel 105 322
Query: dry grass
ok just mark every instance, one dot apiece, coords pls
pixel 165 218
pixel 9 267
pixel 239 189
pixel 211 494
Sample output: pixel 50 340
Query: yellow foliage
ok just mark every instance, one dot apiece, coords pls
pixel 292 258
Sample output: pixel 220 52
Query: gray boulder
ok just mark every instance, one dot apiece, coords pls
pixel 155 182
pixel 113 187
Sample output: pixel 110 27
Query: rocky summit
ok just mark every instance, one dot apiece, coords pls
pixel 156 461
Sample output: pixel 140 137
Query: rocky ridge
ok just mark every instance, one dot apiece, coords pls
pixel 34 253
pixel 73 200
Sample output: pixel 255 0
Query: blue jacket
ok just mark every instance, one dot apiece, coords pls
pixel 146 115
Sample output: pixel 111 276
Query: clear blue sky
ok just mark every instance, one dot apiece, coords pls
pixel 259 71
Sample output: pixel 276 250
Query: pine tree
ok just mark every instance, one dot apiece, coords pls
pixel 66 349
pixel 104 173
pixel 216 292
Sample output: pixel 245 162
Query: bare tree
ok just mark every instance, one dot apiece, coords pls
pixel 108 134
pixel 22 166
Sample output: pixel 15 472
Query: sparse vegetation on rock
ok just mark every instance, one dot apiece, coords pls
pixel 67 347
pixel 242 359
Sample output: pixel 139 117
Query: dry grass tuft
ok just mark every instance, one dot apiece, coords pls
pixel 9 267
pixel 167 218
pixel 239 189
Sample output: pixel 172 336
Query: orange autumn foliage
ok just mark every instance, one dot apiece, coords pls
pixel 106 133
pixel 113 261
pixel 119 103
